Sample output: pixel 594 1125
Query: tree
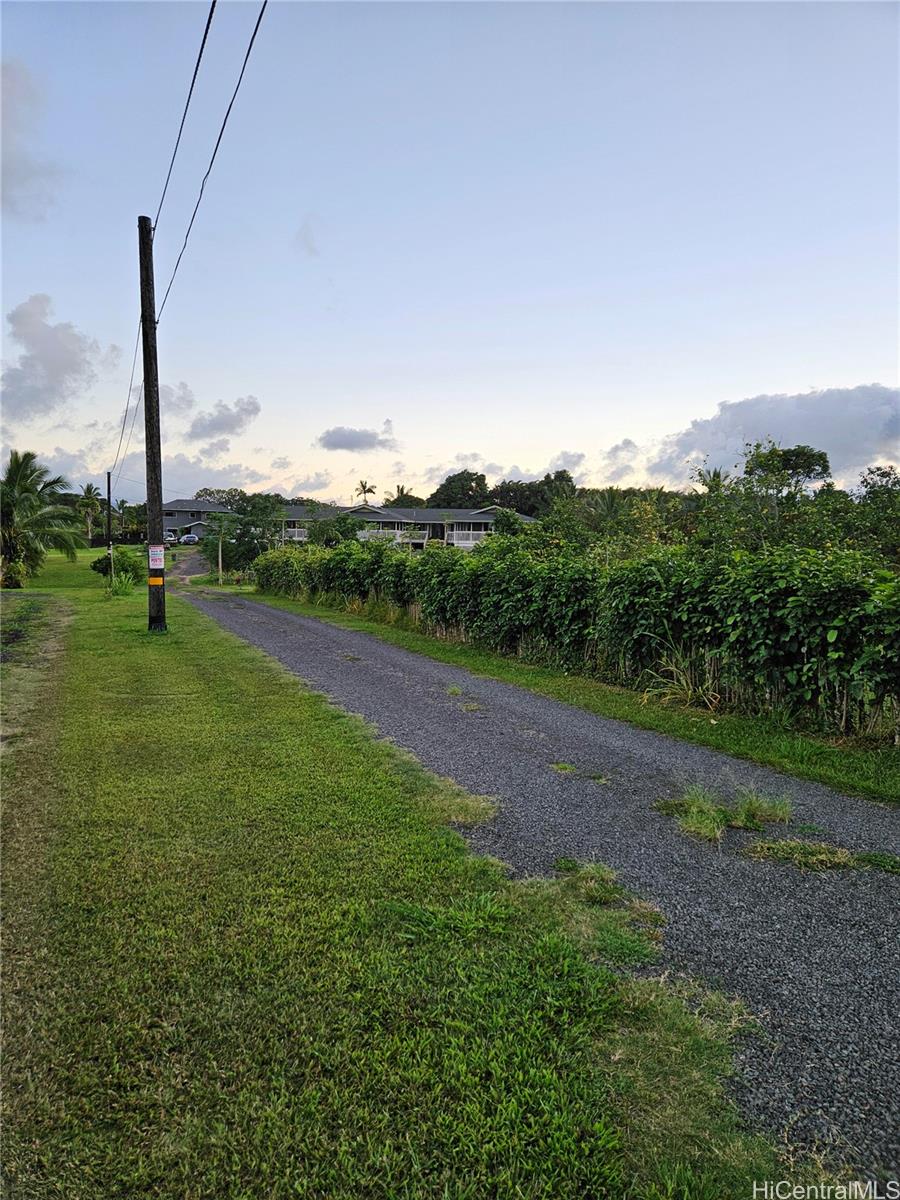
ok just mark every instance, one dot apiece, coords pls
pixel 331 531
pixel 32 518
pixel 364 489
pixel 89 506
pixel 221 526
pixel 257 527
pixel 403 498
pixel 463 489
pixel 121 507
pixel 228 497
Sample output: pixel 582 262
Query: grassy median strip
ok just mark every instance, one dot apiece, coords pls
pixel 858 769
pixel 252 961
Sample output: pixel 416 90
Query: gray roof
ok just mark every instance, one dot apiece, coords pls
pixel 409 516
pixel 200 506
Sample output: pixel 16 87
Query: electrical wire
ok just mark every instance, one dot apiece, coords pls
pixel 187 104
pixel 130 431
pixel 212 159
pixel 137 342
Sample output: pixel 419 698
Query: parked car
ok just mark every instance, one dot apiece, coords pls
pixel 169 537
pixel 189 539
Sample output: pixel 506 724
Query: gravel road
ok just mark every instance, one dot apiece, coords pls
pixel 815 956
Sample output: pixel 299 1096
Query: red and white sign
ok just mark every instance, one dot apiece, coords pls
pixel 157 558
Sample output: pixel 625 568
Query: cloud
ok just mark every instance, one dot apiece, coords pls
pixel 28 183
pixel 281 464
pixel 854 426
pixel 225 418
pixel 215 449
pixel 311 483
pixel 343 437
pixel 57 362
pixel 179 399
pixel 471 461
pixel 619 461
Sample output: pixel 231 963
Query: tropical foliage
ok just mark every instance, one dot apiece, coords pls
pixel 33 518
pixel 814 635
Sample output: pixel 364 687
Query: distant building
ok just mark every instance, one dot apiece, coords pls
pixel 189 516
pixel 462 527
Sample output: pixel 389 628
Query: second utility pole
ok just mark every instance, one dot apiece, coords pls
pixel 157 578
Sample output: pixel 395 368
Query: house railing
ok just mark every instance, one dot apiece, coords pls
pixel 465 538
pixel 395 535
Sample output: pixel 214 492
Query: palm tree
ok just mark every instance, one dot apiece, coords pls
pixel 89 505
pixel 32 518
pixel 121 507
pixel 404 498
pixel 365 489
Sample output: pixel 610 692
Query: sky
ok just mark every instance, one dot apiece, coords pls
pixel 513 237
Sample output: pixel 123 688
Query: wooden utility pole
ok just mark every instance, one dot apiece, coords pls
pixel 109 552
pixel 156 580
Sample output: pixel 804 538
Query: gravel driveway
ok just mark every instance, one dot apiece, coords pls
pixel 815 956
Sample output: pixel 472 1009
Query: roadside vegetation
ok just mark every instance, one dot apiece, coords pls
pixel 247 957
pixel 859 766
pixel 703 814
pixel 752 596
pixel 823 856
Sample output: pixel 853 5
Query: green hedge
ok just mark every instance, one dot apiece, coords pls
pixel 813 635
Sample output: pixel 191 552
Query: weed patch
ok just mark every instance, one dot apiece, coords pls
pixel 703 814
pixel 822 856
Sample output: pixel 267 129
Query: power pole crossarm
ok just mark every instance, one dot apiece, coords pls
pixel 157 577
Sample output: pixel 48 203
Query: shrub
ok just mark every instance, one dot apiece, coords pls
pixel 812 634
pixel 125 562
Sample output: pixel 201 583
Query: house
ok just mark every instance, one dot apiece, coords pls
pixel 462 527
pixel 189 516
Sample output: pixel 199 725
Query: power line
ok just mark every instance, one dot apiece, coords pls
pixel 212 9
pixel 137 342
pixel 130 431
pixel 213 159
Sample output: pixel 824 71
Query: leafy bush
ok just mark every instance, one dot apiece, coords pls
pixel 812 634
pixel 125 562
pixel 121 585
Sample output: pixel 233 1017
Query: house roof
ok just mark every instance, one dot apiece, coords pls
pixel 203 506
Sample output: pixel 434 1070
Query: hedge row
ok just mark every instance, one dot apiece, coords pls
pixel 814 634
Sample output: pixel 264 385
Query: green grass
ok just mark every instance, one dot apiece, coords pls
pixel 246 958
pixel 822 856
pixel 703 814
pixel 855 768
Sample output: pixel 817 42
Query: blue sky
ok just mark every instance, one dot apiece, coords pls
pixel 612 236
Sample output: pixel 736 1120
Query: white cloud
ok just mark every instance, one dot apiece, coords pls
pixel 216 448
pixel 310 483
pixel 57 364
pixel 225 418
pixel 854 426
pixel 281 464
pixel 28 183
pixel 344 437
pixel 178 399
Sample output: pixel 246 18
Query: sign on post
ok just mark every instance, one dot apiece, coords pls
pixel 157 558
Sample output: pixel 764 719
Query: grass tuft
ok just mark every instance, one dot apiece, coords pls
pixel 702 814
pixel 564 768
pixel 822 856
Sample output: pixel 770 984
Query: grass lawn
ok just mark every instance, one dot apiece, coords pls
pixel 246 957
pixel 848 766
